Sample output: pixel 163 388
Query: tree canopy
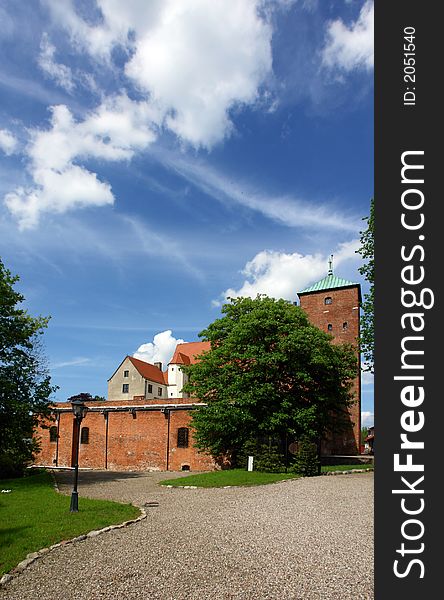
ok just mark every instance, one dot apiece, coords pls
pixel 86 397
pixel 367 270
pixel 25 386
pixel 269 372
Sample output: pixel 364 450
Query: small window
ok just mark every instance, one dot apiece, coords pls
pixel 159 391
pixel 126 373
pixel 150 388
pixel 84 435
pixel 182 437
pixel 330 327
pixel 125 388
pixel 53 434
pixel 172 368
pixel 345 325
pixel 327 300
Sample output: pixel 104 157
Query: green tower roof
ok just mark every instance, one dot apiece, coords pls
pixel 330 282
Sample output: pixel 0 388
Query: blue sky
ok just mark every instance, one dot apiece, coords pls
pixel 156 157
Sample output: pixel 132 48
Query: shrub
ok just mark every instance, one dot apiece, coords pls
pixel 306 461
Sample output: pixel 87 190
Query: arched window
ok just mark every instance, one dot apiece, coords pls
pixel 53 434
pixel 345 325
pixel 182 437
pixel 84 435
pixel 329 327
pixel 328 300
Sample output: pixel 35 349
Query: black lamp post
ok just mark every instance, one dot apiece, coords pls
pixel 79 409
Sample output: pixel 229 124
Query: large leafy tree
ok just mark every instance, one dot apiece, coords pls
pixel 367 270
pixel 269 372
pixel 25 386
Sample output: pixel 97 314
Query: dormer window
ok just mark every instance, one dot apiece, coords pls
pixel 328 300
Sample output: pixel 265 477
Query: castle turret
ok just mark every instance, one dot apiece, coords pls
pixel 332 304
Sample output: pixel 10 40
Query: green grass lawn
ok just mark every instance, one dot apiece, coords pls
pixel 235 477
pixel 228 477
pixel 34 516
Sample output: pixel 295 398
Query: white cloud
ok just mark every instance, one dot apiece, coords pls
pixel 367 419
pixel 61 74
pixel 161 349
pixel 350 48
pixel 193 60
pixel 113 132
pixel 8 142
pixel 59 191
pixel 199 61
pixel 282 275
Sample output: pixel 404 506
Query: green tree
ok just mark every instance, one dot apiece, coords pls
pixel 364 434
pixel 86 397
pixel 25 386
pixel 367 270
pixel 269 372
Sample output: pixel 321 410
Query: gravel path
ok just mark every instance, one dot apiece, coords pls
pixel 305 539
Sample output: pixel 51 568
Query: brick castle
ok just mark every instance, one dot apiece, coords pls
pixel 144 424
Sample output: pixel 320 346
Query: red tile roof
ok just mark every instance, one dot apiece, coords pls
pixel 148 371
pixel 188 353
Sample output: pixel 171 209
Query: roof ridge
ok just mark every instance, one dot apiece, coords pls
pixel 330 281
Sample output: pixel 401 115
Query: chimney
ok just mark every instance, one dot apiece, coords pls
pixel 158 365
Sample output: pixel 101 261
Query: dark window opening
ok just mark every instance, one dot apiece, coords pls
pixel 328 300
pixel 329 327
pixel 159 391
pixel 84 435
pixel 182 437
pixel 53 434
pixel 185 468
pixel 150 388
pixel 345 325
pixel 126 373
pixel 125 388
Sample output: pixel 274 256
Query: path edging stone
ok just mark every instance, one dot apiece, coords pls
pixel 33 556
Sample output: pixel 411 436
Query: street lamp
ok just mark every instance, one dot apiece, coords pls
pixel 79 409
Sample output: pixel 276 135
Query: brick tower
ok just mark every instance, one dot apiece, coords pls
pixel 332 304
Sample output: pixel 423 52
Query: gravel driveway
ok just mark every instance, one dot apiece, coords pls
pixel 302 539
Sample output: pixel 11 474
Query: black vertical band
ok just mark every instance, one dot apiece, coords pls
pixel 408 273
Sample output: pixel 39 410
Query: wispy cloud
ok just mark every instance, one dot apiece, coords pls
pixel 81 361
pixel 285 210
pixel 60 73
pixel 8 142
pixel 118 239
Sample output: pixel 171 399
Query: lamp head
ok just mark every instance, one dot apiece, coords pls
pixel 79 409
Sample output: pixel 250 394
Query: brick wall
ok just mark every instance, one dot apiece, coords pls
pixel 343 316
pixel 118 440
